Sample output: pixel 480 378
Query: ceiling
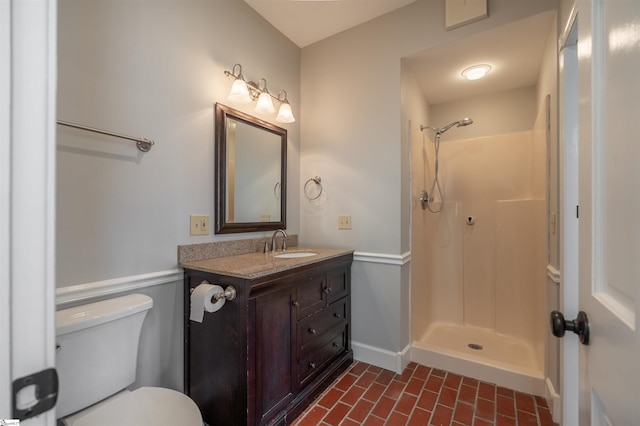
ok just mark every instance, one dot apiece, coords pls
pixel 514 51
pixel 306 21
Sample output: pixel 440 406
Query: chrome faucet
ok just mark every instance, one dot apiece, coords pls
pixel 284 239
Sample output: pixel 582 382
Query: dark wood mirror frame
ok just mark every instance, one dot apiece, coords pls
pixel 222 112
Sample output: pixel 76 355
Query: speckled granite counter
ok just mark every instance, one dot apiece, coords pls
pixel 254 265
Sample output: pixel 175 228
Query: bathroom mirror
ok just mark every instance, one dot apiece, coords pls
pixel 251 173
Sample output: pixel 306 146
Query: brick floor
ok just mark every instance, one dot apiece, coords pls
pixel 420 396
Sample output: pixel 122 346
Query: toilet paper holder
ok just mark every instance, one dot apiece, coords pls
pixel 229 292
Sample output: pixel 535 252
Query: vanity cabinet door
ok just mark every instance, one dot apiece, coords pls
pixel 311 295
pixel 274 381
pixel 337 284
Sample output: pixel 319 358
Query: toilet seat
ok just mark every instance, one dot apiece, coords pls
pixel 151 406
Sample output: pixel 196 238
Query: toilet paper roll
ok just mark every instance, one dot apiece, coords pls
pixel 201 301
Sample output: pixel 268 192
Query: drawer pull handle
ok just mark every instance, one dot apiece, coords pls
pixel 295 303
pixel 312 331
pixel 336 344
pixel 337 315
pixel 312 365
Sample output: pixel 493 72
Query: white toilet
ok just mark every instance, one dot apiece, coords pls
pixel 96 360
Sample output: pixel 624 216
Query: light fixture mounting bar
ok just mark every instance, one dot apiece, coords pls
pixel 254 89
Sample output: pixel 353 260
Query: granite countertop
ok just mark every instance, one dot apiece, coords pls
pixel 255 265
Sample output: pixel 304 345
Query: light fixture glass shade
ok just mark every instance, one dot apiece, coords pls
pixel 265 104
pixel 476 72
pixel 239 92
pixel 285 115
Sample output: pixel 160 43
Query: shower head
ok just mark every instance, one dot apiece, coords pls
pixel 464 122
pixel 460 123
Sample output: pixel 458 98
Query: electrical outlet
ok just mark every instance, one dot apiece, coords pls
pixel 344 222
pixel 199 224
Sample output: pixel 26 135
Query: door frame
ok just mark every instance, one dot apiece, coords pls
pixel 28 62
pixel 5 210
pixel 568 185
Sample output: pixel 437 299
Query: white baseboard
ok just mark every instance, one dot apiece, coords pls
pixel 405 357
pixel 389 360
pixel 553 400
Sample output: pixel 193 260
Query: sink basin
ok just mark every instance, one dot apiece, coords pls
pixel 295 254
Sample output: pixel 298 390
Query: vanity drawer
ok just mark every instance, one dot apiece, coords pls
pixel 311 295
pixel 313 361
pixel 316 325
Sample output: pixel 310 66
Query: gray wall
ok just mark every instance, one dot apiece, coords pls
pixel 152 69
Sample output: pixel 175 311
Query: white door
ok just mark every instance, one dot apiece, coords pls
pixel 27 204
pixel 609 216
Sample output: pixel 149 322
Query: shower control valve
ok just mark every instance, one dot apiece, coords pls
pixel 424 199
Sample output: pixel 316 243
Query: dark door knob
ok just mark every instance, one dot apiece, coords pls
pixel 580 326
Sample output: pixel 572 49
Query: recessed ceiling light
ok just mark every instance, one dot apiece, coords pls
pixel 475 72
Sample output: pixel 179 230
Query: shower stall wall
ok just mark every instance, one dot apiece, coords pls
pixel 478 290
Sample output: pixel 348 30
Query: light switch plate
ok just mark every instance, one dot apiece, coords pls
pixel 199 224
pixel 344 222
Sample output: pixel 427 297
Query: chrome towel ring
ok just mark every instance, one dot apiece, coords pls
pixel 308 192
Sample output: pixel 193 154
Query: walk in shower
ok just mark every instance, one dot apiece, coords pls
pixel 483 231
pixel 478 262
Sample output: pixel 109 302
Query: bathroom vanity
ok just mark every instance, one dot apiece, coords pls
pixel 265 355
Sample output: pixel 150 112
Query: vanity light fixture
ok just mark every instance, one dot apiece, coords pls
pixel 239 91
pixel 285 115
pixel 244 92
pixel 476 72
pixel 265 104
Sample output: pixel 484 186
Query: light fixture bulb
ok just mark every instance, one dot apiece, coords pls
pixel 239 92
pixel 265 104
pixel 285 115
pixel 476 72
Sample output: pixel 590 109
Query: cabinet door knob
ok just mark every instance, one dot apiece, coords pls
pixel 312 330
pixel 312 365
pixel 295 303
pixel 336 344
pixel 327 290
pixel 337 315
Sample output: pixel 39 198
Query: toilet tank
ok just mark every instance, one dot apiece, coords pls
pixel 97 350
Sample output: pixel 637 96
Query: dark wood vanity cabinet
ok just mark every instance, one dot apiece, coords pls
pixel 264 357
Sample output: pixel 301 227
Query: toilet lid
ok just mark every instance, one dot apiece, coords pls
pixel 144 406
